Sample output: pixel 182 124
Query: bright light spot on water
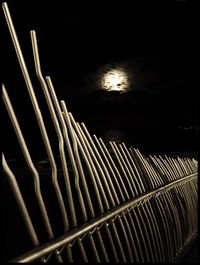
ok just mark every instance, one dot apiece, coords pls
pixel 115 80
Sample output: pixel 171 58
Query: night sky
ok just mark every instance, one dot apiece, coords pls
pixel 157 41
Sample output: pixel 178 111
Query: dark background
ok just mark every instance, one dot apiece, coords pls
pixel 157 41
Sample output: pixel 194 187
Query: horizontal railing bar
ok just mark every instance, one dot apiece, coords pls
pixel 54 244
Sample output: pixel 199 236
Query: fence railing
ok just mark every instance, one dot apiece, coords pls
pixel 116 204
pixel 125 210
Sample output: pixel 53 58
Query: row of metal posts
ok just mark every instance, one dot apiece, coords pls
pixel 154 231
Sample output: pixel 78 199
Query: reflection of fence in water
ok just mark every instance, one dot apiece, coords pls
pixel 123 206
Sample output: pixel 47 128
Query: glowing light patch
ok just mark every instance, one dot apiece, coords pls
pixel 115 80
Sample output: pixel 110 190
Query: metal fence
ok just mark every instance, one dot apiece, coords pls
pixel 116 204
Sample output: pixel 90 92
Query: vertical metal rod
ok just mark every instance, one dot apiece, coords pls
pixel 135 233
pixel 115 256
pixel 178 218
pixel 165 161
pixel 167 174
pixel 185 191
pixel 142 189
pixel 121 222
pixel 122 168
pixel 160 241
pixel 190 162
pixel 89 163
pixel 91 173
pixel 98 232
pixel 129 177
pixel 156 228
pixel 169 203
pixel 176 168
pixel 109 167
pixel 61 150
pixel 27 81
pixel 125 235
pixel 119 158
pixel 82 250
pixel 153 232
pixel 115 168
pixel 187 165
pixel 59 135
pixel 194 199
pixel 181 206
pixel 170 168
pixel 194 164
pixel 131 172
pixel 170 212
pixel 30 165
pixel 20 201
pixel 172 235
pixel 107 187
pixel 142 235
pixel 129 233
pixel 123 225
pixel 185 208
pixel 177 213
pixel 157 170
pixel 133 226
pixel 97 259
pixel 89 156
pixel 133 166
pixel 166 227
pixel 101 163
pixel 99 201
pixel 186 194
pixel 66 116
pixel 74 140
pixel 63 105
pixel 181 173
pixel 21 204
pixel 146 169
pixel 103 178
pixel 144 165
pixel 177 221
pixel 78 161
pixel 149 220
pixel 141 168
pixel 151 215
pixel 102 246
pixel 157 178
pixel 147 235
pixel 183 167
pixel 118 242
pixel 29 84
